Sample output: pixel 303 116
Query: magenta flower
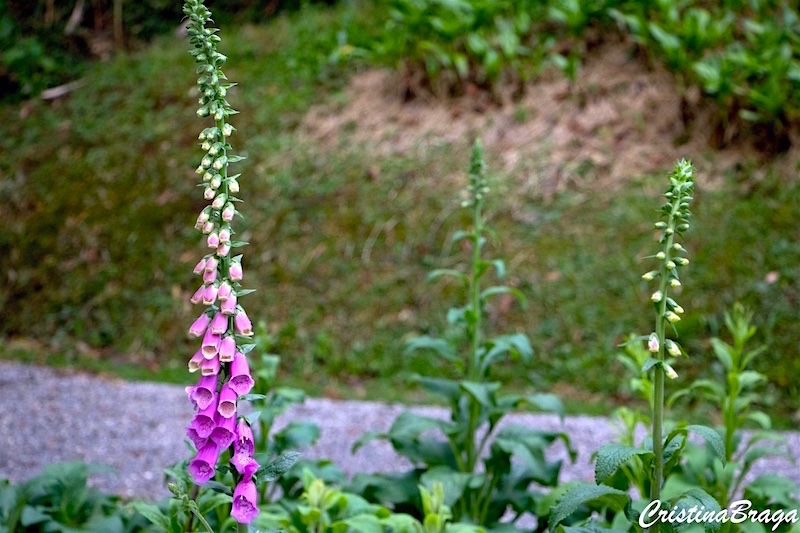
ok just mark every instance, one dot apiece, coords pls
pixel 243 447
pixel 210 345
pixel 204 392
pixel 200 325
pixel 228 306
pixel 219 324
pixel 224 249
pixel 242 323
pixel 224 291
pixel 245 502
pixel 228 212
pixel 227 402
pixel 209 276
pixel 210 294
pixel 200 267
pixel 209 367
pixel 226 349
pixel 213 240
pixel 202 466
pixel 241 381
pixel 203 422
pixel 197 297
pixel 196 439
pixel 211 264
pixel 225 432
pixel 196 360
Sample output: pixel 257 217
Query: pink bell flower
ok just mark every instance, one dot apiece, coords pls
pixel 228 212
pixel 209 276
pixel 227 402
pixel 202 466
pixel 196 360
pixel 203 422
pixel 228 306
pixel 204 392
pixel 210 294
pixel 227 348
pixel 209 367
pixel 224 249
pixel 200 266
pixel 210 345
pixel 241 381
pixel 219 325
pixel 224 291
pixel 196 439
pixel 211 264
pixel 225 432
pixel 200 325
pixel 197 297
pixel 225 235
pixel 245 502
pixel 213 239
pixel 242 323
pixel 235 271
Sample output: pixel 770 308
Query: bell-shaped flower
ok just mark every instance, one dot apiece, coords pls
pixel 225 432
pixel 223 249
pixel 228 306
pixel 196 439
pixel 219 201
pixel 197 297
pixel 225 235
pixel 219 325
pixel 245 502
pixel 210 294
pixel 210 345
pixel 205 391
pixel 244 444
pixel 227 348
pixel 209 276
pixel 203 421
pixel 235 271
pixel 213 239
pixel 227 401
pixel 196 360
pixel 209 367
pixel 242 323
pixel 200 326
pixel 202 466
pixel 241 381
pixel 224 291
pixel 200 267
pixel 228 212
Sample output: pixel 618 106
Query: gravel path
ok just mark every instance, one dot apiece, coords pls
pixel 52 416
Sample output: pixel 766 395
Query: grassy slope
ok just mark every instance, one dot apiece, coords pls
pixel 100 201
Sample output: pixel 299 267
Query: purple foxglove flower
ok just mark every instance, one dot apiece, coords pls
pixel 210 294
pixel 228 212
pixel 196 360
pixel 196 439
pixel 245 502
pixel 228 306
pixel 200 267
pixel 209 367
pixel 209 276
pixel 235 271
pixel 205 391
pixel 200 325
pixel 213 239
pixel 224 249
pixel 227 348
pixel 225 235
pixel 241 381
pixel 210 346
pixel 224 291
pixel 211 264
pixel 227 401
pixel 203 421
pixel 244 440
pixel 225 432
pixel 242 323
pixel 202 466
pixel 197 297
pixel 219 324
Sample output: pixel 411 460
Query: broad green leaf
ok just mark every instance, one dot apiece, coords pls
pixel 366 438
pixel 278 466
pixel 698 499
pixel 611 456
pixel 363 523
pixel 446 388
pixel 402 523
pixel 546 402
pixel 649 363
pixel 483 393
pixel 449 272
pixel 33 515
pixel 297 434
pixel 760 418
pixel 585 493
pixel 440 347
pixel 712 438
pixel 723 352
pixel 454 482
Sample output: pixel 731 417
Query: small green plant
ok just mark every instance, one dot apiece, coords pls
pixel 513 456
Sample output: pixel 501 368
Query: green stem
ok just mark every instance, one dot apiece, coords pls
pixel 242 528
pixel 475 296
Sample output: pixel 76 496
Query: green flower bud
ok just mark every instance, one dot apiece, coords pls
pixel 656 297
pixel 670 265
pixel 674 283
pixel 672 348
pixel 682 261
pixel 661 256
pixel 671 374
pixel 660 225
pixel 650 276
pixel 672 317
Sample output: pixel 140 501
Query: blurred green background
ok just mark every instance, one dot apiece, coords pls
pixel 99 198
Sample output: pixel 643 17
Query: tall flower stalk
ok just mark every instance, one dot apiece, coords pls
pixel 671 256
pixel 223 326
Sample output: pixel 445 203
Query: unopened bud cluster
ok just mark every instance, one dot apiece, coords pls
pixel 478 185
pixel 671 256
pixel 223 326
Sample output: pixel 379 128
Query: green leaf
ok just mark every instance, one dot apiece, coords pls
pixel 297 434
pixel 446 388
pixel 278 466
pixel 611 456
pixel 367 438
pixel 439 346
pixel 454 482
pixel 363 523
pixel 33 515
pixel 585 493
pixel 483 393
pixel 546 402
pixel 760 418
pixel 649 363
pixel 402 523
pixel 712 438
pixel 449 272
pixel 698 498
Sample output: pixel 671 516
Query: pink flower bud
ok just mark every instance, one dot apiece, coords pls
pixel 200 325
pixel 197 297
pixel 226 349
pixel 235 271
pixel 208 227
pixel 209 276
pixel 202 469
pixel 224 249
pixel 201 265
pixel 242 323
pixel 219 201
pixel 209 193
pixel 210 294
pixel 652 343
pixel 240 381
pixel 225 235
pixel 224 291
pixel 213 239
pixel 228 212
pixel 228 307
pixel 219 325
